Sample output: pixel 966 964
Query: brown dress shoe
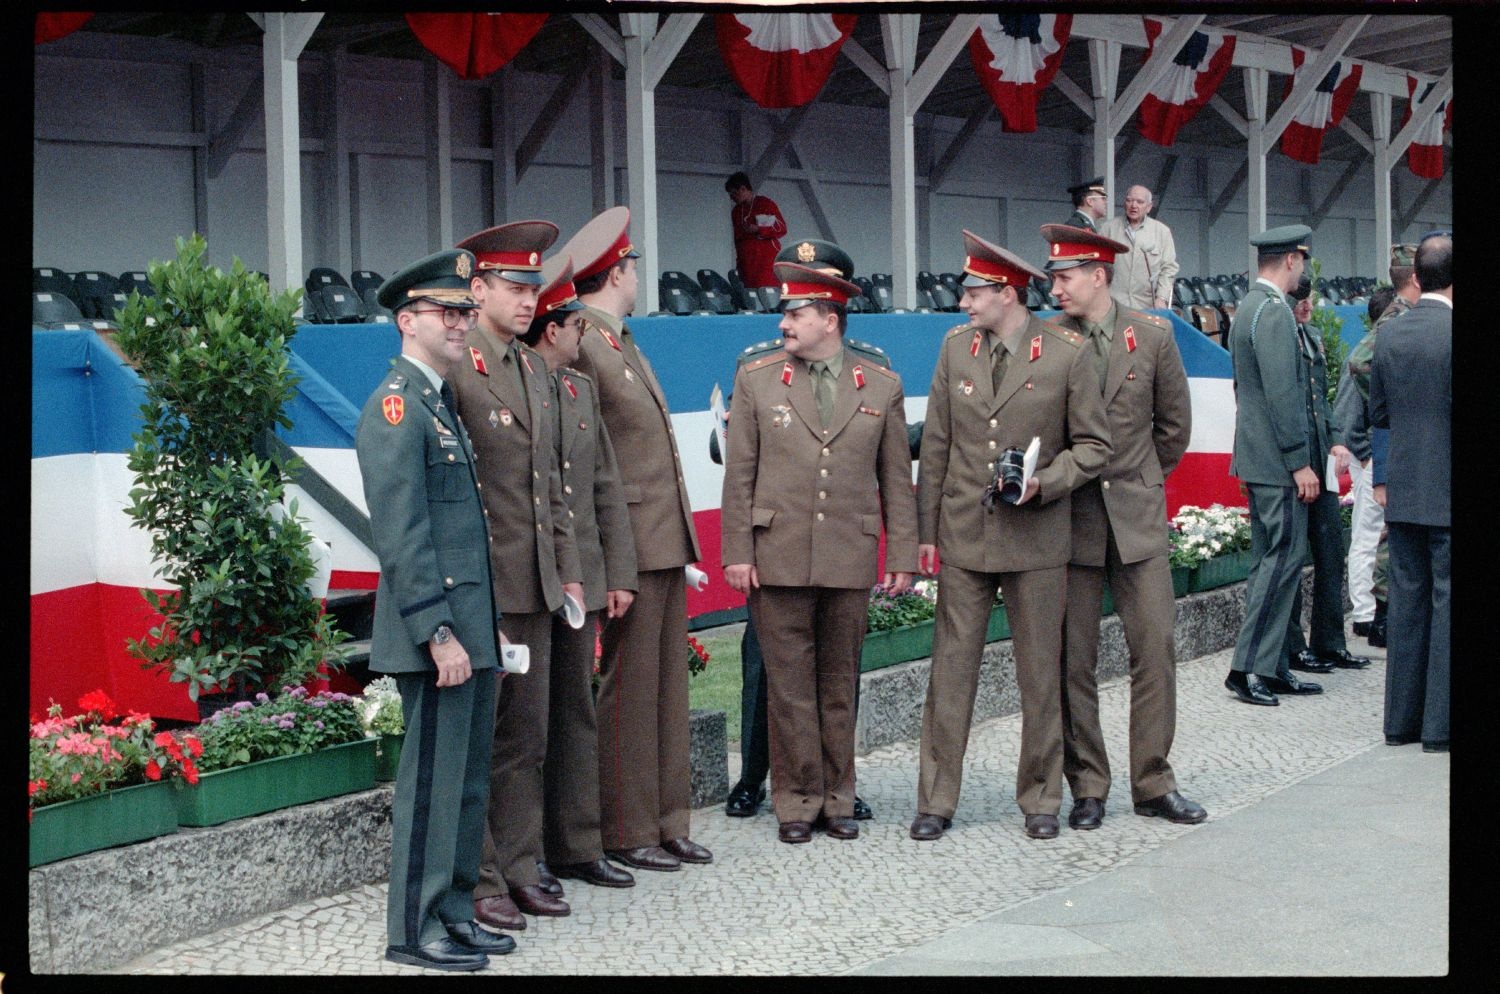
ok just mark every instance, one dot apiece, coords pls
pixel 499 912
pixel 600 872
pixel 926 828
pixel 843 828
pixel 795 831
pixel 535 901
pixel 687 850
pixel 549 882
pixel 1041 826
pixel 645 858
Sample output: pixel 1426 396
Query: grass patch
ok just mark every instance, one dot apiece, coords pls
pixel 718 686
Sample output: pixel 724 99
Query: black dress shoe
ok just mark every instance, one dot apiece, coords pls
pixel 1400 740
pixel 1362 629
pixel 743 802
pixel 1435 746
pixel 645 858
pixel 1041 826
pixel 687 850
pixel 842 828
pixel 1310 662
pixel 1250 688
pixel 862 810
pixel 1346 660
pixel 1291 685
pixel 1173 807
pixel 549 883
pixel 534 901
pixel 471 936
pixel 499 912
pixel 600 872
pixel 1087 814
pixel 794 831
pixel 1376 638
pixel 926 828
pixel 440 954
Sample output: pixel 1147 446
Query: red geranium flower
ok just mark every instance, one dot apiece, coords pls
pixel 98 701
pixel 153 770
pixel 194 746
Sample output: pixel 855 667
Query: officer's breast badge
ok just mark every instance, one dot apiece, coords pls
pixel 967 386
pixel 781 416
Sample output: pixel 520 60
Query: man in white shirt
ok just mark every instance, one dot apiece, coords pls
pixel 1144 275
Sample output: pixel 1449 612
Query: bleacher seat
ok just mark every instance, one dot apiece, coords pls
pixel 868 289
pixel 93 287
pixel 1184 293
pixel 942 297
pixel 715 302
pixel 363 279
pixel 135 280
pixel 374 312
pixel 710 280
pixel 926 281
pixel 53 310
pixel 858 305
pixel 1206 319
pixel 321 276
pixel 46 279
pixel 1035 301
pixel 338 305
pixel 743 298
pixel 682 288
pixel 881 279
pixel 924 301
pixel 881 294
pixel 953 282
pixel 675 301
pixel 770 298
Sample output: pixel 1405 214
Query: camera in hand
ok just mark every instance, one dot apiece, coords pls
pixel 1006 484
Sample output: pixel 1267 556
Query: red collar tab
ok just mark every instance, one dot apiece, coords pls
pixel 786 373
pixel 568 386
pixel 527 360
pixel 478 361
pixel 859 377
pixel 974 345
pixel 1129 339
pixel 1036 348
pixel 610 339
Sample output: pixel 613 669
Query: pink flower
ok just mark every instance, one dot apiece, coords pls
pixel 77 777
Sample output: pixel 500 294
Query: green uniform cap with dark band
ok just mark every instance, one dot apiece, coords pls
pixel 820 255
pixel 442 278
pixel 1287 238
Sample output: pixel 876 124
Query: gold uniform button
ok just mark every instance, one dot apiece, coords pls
pixel 567 489
pixel 535 475
pixel 823 472
pixel 820 515
pixel 567 465
pixel 994 423
pixel 1106 484
pixel 448 580
pixel 825 450
pixel 450 457
pixel 822 495
pixel 537 501
pixel 994 444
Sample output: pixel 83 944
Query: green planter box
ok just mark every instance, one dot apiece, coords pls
pixel 1220 571
pixel 387 756
pixel 271 784
pixel 113 818
pixel 1181 579
pixel 896 645
pixel 999 626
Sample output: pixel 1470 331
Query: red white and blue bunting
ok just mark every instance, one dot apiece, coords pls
pixel 781 60
pixel 1303 138
pixel 1425 156
pixel 1187 86
pixel 1015 56
pixel 475 45
pixel 54 24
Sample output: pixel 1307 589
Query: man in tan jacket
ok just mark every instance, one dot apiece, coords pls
pixel 817 461
pixel 644 788
pixel 1000 381
pixel 1120 533
pixel 503 396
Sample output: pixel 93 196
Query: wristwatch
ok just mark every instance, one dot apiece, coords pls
pixel 442 635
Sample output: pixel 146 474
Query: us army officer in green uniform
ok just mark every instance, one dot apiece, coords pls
pixel 1001 380
pixel 1278 456
pixel 1088 204
pixel 435 619
pixel 1119 533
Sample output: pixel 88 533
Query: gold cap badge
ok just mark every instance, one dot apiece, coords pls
pixel 462 267
pixel 533 258
pixel 806 253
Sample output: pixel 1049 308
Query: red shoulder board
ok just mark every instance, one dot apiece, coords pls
pixel 478 361
pixel 974 345
pixel 786 373
pixel 1129 339
pixel 1036 348
pixel 394 409
pixel 568 386
pixel 859 377
pixel 527 360
pixel 610 339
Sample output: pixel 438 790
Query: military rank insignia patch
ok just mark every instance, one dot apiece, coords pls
pixel 478 361
pixel 568 386
pixel 610 339
pixel 786 373
pixel 527 360
pixel 1129 339
pixel 859 378
pixel 974 345
pixel 1036 350
pixel 394 409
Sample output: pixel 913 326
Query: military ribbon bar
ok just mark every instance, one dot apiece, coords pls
pixel 478 361
pixel 568 386
pixel 786 374
pixel 1036 348
pixel 974 345
pixel 1129 339
pixel 859 378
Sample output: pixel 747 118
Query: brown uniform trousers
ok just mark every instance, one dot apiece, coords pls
pixel 644 789
pixel 804 504
pixel 606 551
pixel 1119 533
pixel 531 556
pixel 1051 392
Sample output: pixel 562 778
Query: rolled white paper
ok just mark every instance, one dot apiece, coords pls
pixel 572 611
pixel 515 658
pixel 696 578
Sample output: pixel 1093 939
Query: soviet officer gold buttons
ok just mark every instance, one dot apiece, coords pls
pixel 994 423
pixel 822 495
pixel 567 465
pixel 825 450
pixel 823 471
pixel 1105 484
pixel 567 489
pixel 994 444
pixel 820 515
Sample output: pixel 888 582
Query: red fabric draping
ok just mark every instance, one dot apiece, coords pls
pixel 475 45
pixel 1187 86
pixel 1424 157
pixel 1303 138
pixel 781 60
pixel 1015 56
pixel 54 24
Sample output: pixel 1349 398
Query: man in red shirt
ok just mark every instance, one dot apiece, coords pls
pixel 758 227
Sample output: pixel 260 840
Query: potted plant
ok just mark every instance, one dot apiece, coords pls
pixel 100 778
pixel 1214 542
pixel 276 752
pixel 900 625
pixel 380 713
pixel 212 348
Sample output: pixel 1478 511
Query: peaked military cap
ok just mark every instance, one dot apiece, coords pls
pixel 513 250
pixel 442 278
pixel 1287 238
pixel 557 293
pixel 1095 185
pixel 1068 246
pixel 987 264
pixel 601 243
pixel 801 285
pixel 820 255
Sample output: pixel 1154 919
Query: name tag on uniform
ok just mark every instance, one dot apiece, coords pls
pixel 448 441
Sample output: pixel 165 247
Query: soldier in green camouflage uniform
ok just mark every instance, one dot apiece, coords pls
pixel 1367 587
